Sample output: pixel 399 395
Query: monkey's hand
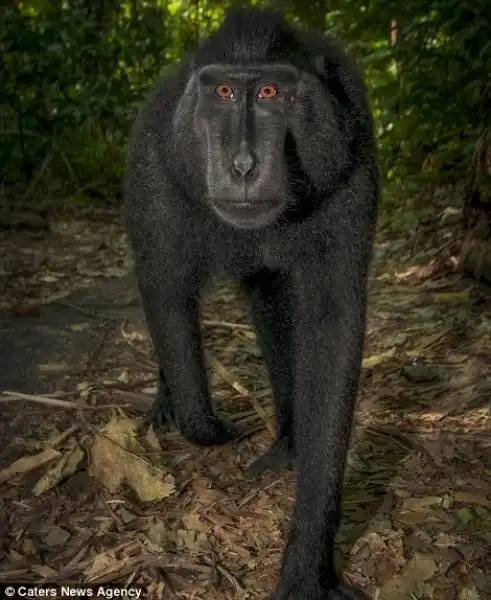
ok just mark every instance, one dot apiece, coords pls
pixel 279 456
pixel 307 575
pixel 203 430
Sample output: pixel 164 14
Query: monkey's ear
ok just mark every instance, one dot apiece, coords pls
pixel 185 106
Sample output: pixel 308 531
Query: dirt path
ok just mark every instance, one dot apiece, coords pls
pixel 97 497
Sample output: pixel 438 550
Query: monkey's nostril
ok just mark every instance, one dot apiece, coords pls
pixel 243 163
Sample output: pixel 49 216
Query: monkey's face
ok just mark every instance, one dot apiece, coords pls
pixel 241 124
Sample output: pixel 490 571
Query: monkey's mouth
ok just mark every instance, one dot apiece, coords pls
pixel 244 214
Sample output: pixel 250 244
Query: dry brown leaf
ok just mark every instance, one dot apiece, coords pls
pixel 377 359
pixel 43 571
pixel 418 504
pixel 151 440
pixel 102 564
pixel 204 492
pixel 469 593
pixel 66 466
pixel 192 521
pixel 470 498
pixel 117 272
pixel 416 517
pixel 53 367
pixel 158 533
pixel 411 580
pixel 26 464
pixel 56 536
pixel 192 541
pixel 126 516
pixel 445 540
pixel 451 297
pixel 78 327
pixel 116 457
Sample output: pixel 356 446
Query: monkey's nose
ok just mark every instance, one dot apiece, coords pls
pixel 243 162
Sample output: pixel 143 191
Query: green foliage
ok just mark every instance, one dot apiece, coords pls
pixel 74 72
pixel 431 89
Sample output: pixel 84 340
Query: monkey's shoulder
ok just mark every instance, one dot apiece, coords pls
pixel 169 88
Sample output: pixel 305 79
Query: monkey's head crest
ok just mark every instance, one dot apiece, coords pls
pixel 266 130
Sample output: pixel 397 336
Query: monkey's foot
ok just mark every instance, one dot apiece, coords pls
pixel 279 456
pixel 340 592
pixel 206 430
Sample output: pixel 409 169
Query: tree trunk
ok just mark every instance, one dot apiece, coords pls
pixel 476 249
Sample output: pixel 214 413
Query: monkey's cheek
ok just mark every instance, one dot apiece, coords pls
pixel 248 215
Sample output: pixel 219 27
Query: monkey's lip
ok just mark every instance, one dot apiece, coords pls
pixel 245 204
pixel 256 206
pixel 247 214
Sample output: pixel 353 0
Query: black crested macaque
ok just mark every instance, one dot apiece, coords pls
pixel 256 159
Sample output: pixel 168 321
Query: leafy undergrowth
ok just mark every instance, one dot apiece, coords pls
pixel 98 497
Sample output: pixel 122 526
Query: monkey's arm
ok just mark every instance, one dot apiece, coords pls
pixel 184 399
pixel 329 328
pixel 170 287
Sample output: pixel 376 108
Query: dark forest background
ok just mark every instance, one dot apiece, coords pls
pixel 74 71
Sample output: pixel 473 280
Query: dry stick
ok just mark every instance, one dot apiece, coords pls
pixel 59 439
pixel 9 396
pixel 260 411
pixel 225 374
pixel 142 560
pixel 169 587
pixel 229 378
pixel 228 575
pixel 136 400
pixel 226 324
pixel 75 560
pixel 255 492
pixel 94 355
pixel 86 312
pixel 402 440
pixel 131 578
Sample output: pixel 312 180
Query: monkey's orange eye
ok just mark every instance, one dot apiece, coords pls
pixel 224 91
pixel 267 91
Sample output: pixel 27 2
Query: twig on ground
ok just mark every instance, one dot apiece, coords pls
pixel 226 324
pixel 9 396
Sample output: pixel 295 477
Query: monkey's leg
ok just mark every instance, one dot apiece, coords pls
pixel 184 400
pixel 268 293
pixel 328 334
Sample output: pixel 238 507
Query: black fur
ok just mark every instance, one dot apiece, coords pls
pixel 303 165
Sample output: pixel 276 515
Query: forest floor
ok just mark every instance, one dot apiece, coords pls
pixel 90 494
